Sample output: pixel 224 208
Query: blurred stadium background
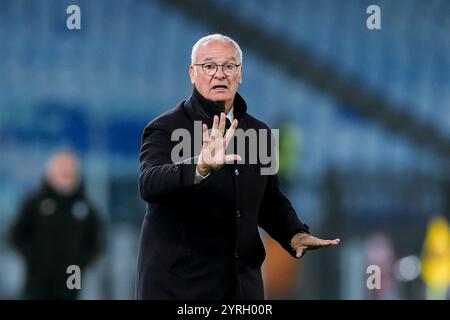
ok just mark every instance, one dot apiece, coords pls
pixel 367 113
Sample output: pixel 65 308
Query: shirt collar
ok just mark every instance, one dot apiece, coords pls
pixel 230 115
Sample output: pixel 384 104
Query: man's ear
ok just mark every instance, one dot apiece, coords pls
pixel 192 73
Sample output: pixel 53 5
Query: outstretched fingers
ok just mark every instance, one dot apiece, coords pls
pixel 325 243
pixel 334 242
pixel 230 132
pixel 215 128
pixel 221 128
pixel 205 133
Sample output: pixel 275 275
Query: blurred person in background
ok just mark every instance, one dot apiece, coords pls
pixel 200 236
pixel 57 227
pixel 381 253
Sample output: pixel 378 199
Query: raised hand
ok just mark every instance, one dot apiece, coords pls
pixel 213 156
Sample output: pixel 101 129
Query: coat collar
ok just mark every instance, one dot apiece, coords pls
pixel 207 109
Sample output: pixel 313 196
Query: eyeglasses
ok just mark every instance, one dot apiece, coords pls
pixel 210 68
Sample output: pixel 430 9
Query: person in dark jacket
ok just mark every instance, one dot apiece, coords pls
pixel 57 227
pixel 200 238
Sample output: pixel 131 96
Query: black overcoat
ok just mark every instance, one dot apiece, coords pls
pixel 202 241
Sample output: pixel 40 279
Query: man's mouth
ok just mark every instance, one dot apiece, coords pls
pixel 220 87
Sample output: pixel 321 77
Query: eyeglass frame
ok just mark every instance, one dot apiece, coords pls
pixel 217 68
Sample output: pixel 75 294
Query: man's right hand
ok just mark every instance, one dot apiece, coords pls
pixel 212 156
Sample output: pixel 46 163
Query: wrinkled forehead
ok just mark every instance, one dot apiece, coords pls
pixel 217 51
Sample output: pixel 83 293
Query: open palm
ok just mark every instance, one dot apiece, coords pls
pixel 213 154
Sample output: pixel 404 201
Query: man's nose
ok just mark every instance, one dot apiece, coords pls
pixel 219 73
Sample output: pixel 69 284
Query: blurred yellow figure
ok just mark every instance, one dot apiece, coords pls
pixel 436 259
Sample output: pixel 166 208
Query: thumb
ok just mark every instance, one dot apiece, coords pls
pixel 300 252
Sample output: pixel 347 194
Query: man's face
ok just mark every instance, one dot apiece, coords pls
pixel 219 87
pixel 63 173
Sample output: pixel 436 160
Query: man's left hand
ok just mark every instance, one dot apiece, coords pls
pixel 303 241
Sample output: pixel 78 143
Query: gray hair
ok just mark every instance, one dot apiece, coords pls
pixel 214 37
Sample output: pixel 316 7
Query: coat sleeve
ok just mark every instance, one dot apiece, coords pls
pixel 277 216
pixel 159 176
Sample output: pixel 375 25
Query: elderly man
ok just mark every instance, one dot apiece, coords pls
pixel 200 236
pixel 57 227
